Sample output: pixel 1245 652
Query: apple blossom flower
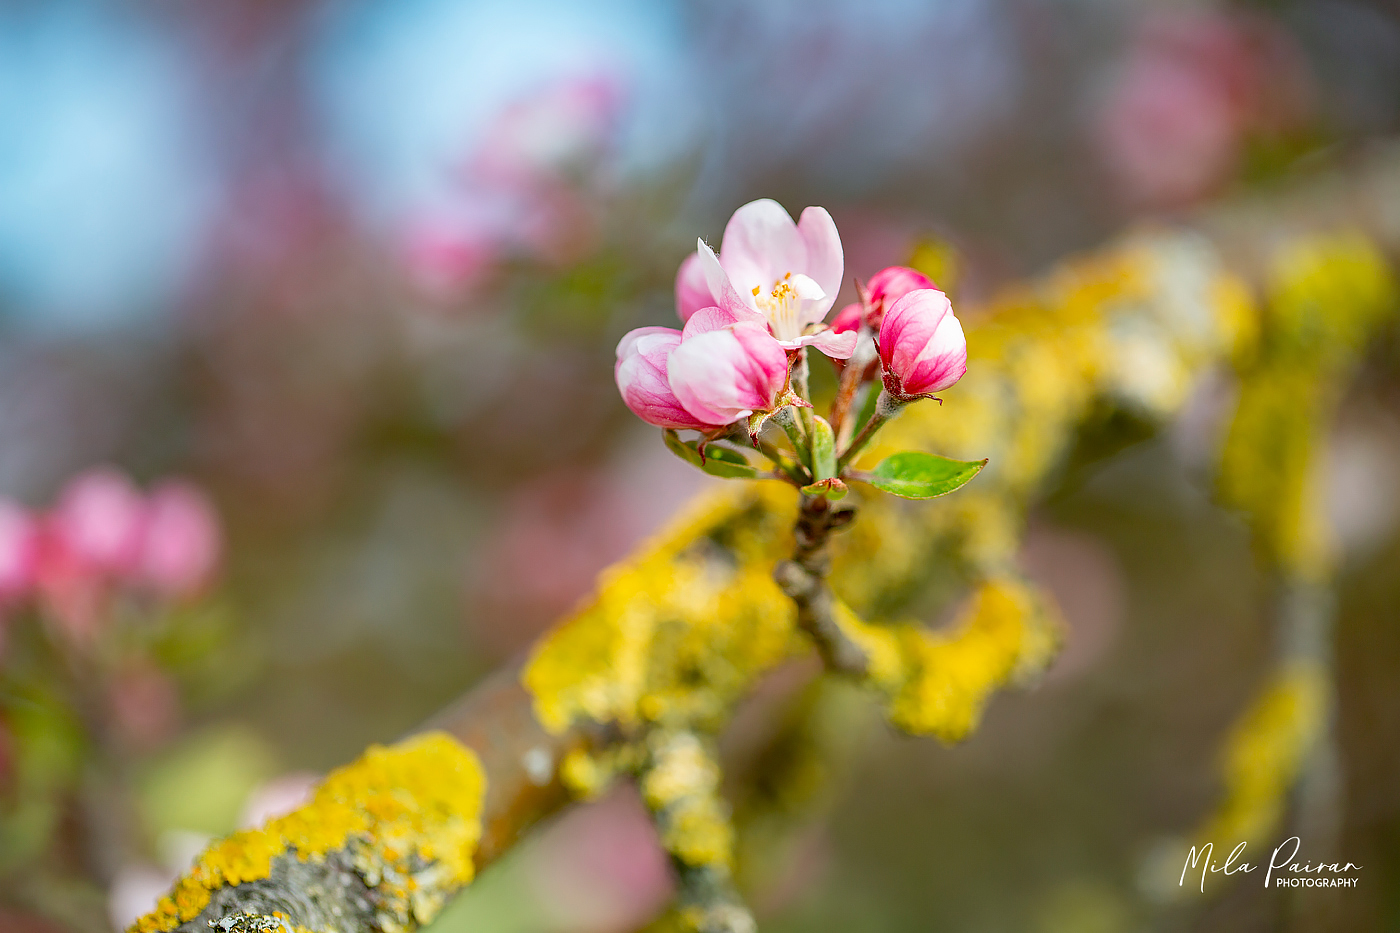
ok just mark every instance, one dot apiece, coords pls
pixel 181 541
pixel 782 274
pixel 98 521
pixel 728 373
pixel 921 345
pixel 642 378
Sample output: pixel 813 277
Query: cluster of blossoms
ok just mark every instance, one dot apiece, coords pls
pixel 749 315
pixel 103 537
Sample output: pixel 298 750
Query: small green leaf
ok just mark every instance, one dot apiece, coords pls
pixel 823 449
pixel 913 474
pixel 831 487
pixel 719 461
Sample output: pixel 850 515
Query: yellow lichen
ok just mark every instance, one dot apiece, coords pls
pixel 1326 297
pixel 681 785
pixel 1265 751
pixel 678 632
pixel 937 683
pixel 396 805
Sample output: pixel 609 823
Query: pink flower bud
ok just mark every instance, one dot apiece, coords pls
pixel 642 378
pixel 891 284
pixel 692 289
pixel 723 375
pixel 18 550
pixel 921 345
pixel 182 543
pixel 847 319
pixel 98 521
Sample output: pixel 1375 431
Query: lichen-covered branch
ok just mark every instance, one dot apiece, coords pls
pixel 640 681
pixel 803 579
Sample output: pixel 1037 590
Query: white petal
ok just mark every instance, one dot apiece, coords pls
pixel 837 346
pixel 718 280
pixel 761 244
pixel 825 261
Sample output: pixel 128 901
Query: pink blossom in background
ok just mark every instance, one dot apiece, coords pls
pixel 562 125
pixel 98 521
pixel 1193 86
pixel 523 191
pixel 72 591
pixel 19 550
pixel 785 275
pixel 921 343
pixel 278 797
pixel 135 891
pixel 181 543
pixel 729 373
pixel 600 867
pixel 444 257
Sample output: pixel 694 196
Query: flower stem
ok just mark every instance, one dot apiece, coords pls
pixel 852 375
pixel 885 409
pixel 785 419
pixel 800 385
pixel 790 469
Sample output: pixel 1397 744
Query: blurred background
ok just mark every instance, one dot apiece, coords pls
pixel 307 421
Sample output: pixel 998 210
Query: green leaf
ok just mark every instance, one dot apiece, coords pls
pixel 719 461
pixel 823 449
pixel 913 474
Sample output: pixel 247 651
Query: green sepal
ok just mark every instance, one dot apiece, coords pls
pixel 913 474
pixel 831 487
pixel 717 461
pixel 823 449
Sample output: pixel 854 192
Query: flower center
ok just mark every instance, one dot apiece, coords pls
pixel 780 307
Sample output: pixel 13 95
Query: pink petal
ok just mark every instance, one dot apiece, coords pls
pixel 825 260
pixel 894 282
pixel 708 319
pixel 692 289
pixel 641 375
pixel 761 244
pixel 627 345
pixel 908 326
pixel 723 290
pixel 848 318
pixel 837 345
pixel 942 362
pixel 723 375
